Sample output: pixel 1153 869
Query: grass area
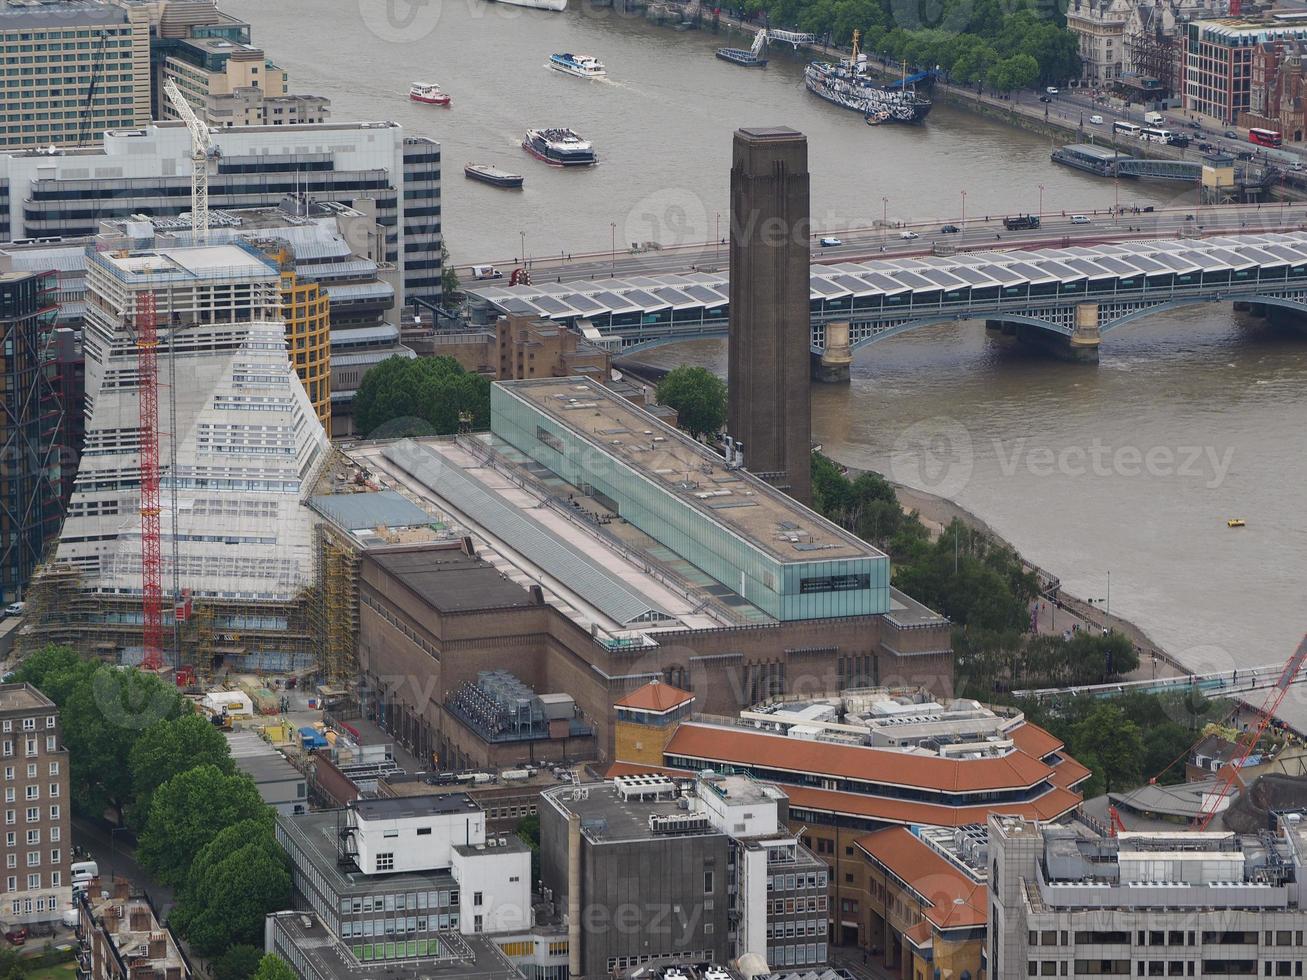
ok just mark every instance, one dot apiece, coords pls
pixel 61 971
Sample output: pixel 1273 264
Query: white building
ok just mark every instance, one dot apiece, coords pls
pixel 232 412
pixel 1100 27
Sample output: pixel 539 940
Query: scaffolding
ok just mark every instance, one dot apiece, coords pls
pixel 334 606
pixel 1151 53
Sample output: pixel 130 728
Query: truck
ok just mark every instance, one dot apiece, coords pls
pixel 1022 222
pixel 1153 118
pixel 486 272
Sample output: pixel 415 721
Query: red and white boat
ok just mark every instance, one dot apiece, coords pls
pixel 428 93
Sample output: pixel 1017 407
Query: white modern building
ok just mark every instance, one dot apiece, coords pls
pixel 147 170
pixel 1066 902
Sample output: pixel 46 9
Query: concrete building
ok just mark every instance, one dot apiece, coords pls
pixel 146 170
pixel 859 763
pixel 1099 26
pixel 1065 902
pixel 768 348
pixel 233 84
pixel 63 51
pixel 519 347
pixel 31 428
pixel 122 938
pixel 37 841
pixel 655 872
pixel 280 785
pixel 247 453
pixel 1219 61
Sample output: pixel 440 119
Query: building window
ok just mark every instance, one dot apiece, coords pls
pixel 33 837
pixel 29 724
pixel 707 883
pixel 33 814
pixel 476 899
pixel 34 881
pixel 386 861
pixel 49 721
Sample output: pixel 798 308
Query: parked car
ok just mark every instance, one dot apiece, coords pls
pixel 1079 219
pixel 1179 139
pixel 16 936
pixel 949 230
pixel 829 242
pixel 1095 120
pixel 1230 134
pixel 1194 125
pixel 15 608
pixel 1045 98
pixel 907 236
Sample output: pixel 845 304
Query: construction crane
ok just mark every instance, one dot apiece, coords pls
pixel 84 126
pixel 203 153
pixel 1244 747
pixel 147 384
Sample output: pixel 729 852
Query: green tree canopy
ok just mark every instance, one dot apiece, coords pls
pixel 433 391
pixel 190 810
pixel 273 967
pixel 237 962
pixel 699 398
pixel 236 879
pixel 1114 742
pixel 171 746
pixel 1016 72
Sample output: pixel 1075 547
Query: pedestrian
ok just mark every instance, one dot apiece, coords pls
pixel 864 956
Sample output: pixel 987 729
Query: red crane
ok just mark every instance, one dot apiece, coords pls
pixel 1244 747
pixel 147 383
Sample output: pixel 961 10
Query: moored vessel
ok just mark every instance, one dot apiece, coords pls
pixel 559 148
pixel 580 65
pixel 847 85
pixel 487 174
pixel 428 93
pixel 752 58
pixel 554 5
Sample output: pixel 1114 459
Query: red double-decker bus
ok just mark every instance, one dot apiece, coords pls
pixel 1265 137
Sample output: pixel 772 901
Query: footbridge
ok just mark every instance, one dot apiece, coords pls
pixel 1065 299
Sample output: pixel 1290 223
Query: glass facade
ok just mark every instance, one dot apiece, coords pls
pixel 785 590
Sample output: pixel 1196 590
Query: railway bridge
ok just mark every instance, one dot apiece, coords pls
pixel 1065 300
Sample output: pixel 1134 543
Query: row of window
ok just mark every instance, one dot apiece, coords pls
pixel 33 881
pixel 33 858
pixel 33 792
pixel 29 745
pixel 1164 968
pixel 787 883
pixel 28 724
pixel 370 928
pixel 792 930
pixel 796 955
pixel 1166 937
pixel 789 906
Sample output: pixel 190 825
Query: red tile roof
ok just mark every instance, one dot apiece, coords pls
pixel 952 899
pixel 1033 740
pixel 656 697
pixel 742 746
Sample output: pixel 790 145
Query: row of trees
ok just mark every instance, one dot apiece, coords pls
pixel 420 396
pixel 140 756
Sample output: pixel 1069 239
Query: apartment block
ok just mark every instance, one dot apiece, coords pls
pixel 59 54
pixel 37 839
pixel 123 938
pixel 230 83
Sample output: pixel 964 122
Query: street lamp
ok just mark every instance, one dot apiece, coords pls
pixel 523 234
pixel 1041 200
pixel 884 220
pixel 612 270
pixel 718 238
pixel 964 211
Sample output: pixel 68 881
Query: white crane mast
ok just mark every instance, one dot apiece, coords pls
pixel 202 151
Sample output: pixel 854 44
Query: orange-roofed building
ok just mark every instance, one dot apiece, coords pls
pixel 646 719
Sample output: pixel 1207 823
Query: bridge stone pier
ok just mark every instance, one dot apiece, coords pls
pixel 831 366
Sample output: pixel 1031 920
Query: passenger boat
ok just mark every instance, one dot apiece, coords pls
pixel 428 93
pixel 1235 522
pixel 559 148
pixel 492 175
pixel 580 65
pixel 555 5
pixel 847 85
pixel 752 58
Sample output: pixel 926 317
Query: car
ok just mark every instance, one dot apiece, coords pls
pixel 1051 90
pixel 1194 125
pixel 1045 98
pixel 949 230
pixel 830 242
pixel 1079 219
pixel 907 236
pixel 16 936
pixel 1296 166
pixel 1245 155
pixel 15 608
pixel 1230 134
pixel 1188 217
pixel 1095 120
pixel 1179 139
pixel 1206 147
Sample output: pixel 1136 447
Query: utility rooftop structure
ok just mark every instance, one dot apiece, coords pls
pixel 749 536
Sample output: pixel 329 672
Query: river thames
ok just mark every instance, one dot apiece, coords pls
pixel 1131 468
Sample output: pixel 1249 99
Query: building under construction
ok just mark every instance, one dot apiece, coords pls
pixel 239 450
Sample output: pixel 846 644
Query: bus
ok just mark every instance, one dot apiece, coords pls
pixel 1264 137
pixel 1125 128
pixel 1152 135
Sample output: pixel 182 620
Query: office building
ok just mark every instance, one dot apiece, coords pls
pixel 1067 902
pixel 698 871
pixel 769 341
pixel 280 785
pixel 62 52
pixel 230 83
pixel 37 841
pixel 1218 62
pixel 517 348
pixel 31 420
pixel 247 453
pixel 122 938
pixel 147 170
pixel 858 763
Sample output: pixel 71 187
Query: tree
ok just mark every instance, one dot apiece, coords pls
pixel 190 810
pixel 273 967
pixel 448 276
pixel 12 964
pixel 238 962
pixel 41 667
pixel 1107 736
pixel 528 829
pixel 169 747
pixel 236 879
pixel 433 391
pixel 698 396
pixel 1016 72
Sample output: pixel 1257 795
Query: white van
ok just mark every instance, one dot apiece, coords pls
pixel 84 871
pixel 1080 219
pixel 1153 118
pixel 486 272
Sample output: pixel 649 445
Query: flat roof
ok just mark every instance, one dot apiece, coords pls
pixel 690 472
pixel 607 818
pixel 401 807
pixel 234 260
pixel 315 836
pixel 449 580
pixel 365 511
